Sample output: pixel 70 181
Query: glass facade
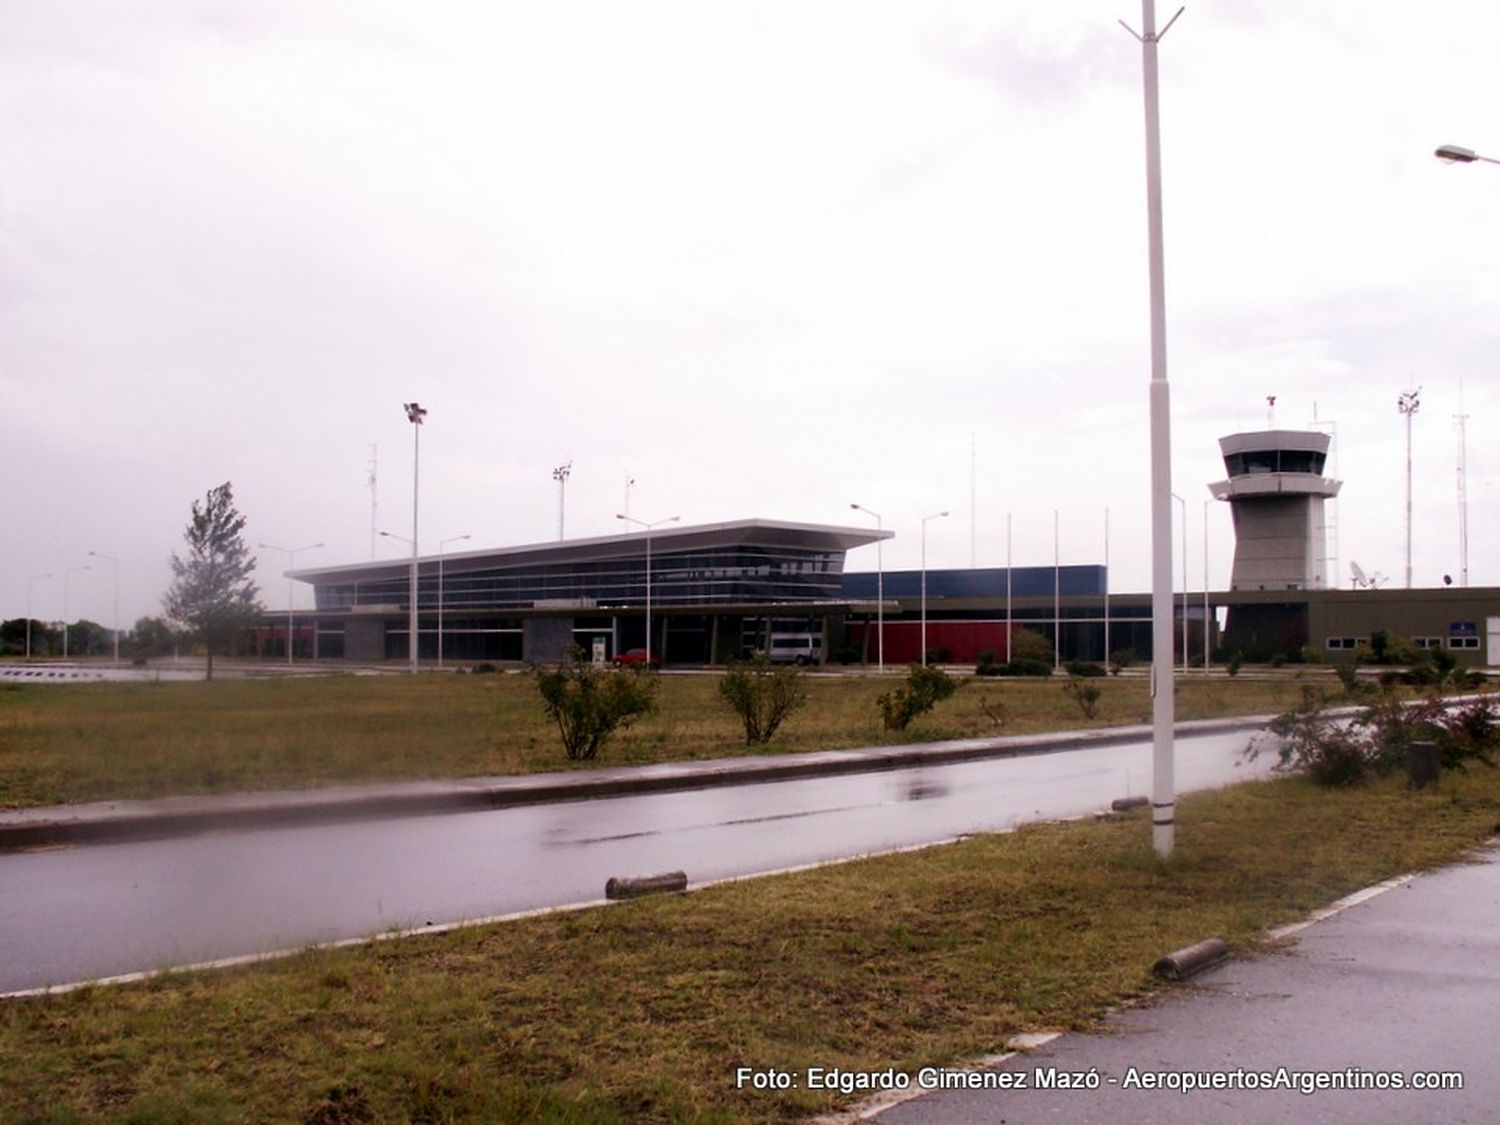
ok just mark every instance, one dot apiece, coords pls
pixel 720 575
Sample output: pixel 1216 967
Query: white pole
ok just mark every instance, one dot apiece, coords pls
pixel 879 586
pixel 1008 625
pixel 1407 404
pixel 1183 504
pixel 1056 597
pixel 925 521
pixel 648 527
pixel 1163 786
pixel 414 414
pixel 1207 631
pixel 1106 588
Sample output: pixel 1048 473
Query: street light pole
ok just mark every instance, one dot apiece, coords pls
pixel 1457 154
pixel 879 589
pixel 66 575
pixel 1207 629
pixel 116 567
pixel 442 545
pixel 925 521
pixel 1408 405
pixel 648 527
pixel 291 565
pixel 1163 710
pixel 29 581
pixel 414 414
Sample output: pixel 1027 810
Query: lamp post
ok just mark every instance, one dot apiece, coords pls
pixel 66 575
pixel 408 542
pixel 1207 630
pixel 879 588
pixel 1408 405
pixel 925 521
pixel 29 581
pixel 561 475
pixel 415 412
pixel 1056 595
pixel 115 564
pixel 442 545
pixel 1008 625
pixel 1163 709
pixel 648 527
pixel 291 565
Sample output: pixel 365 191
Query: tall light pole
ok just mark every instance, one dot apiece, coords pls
pixel 1056 594
pixel 1207 631
pixel 1163 710
pixel 879 588
pixel 29 581
pixel 115 564
pixel 1008 625
pixel 291 565
pixel 67 574
pixel 925 521
pixel 442 545
pixel 414 414
pixel 1107 656
pixel 1183 504
pixel 648 527
pixel 1408 405
pixel 561 475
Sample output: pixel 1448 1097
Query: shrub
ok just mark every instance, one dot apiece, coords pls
pixel 1084 668
pixel 924 688
pixel 1122 658
pixel 1026 668
pixel 1028 644
pixel 589 702
pixel 762 695
pixel 937 655
pixel 1233 664
pixel 484 668
pixel 1318 746
pixel 987 656
pixel 1085 694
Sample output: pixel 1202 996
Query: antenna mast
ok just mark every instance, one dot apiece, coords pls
pixel 1407 404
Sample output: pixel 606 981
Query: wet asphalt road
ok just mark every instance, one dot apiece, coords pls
pixel 82 913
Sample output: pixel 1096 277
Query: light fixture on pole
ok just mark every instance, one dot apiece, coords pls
pixel 442 545
pixel 648 527
pixel 1008 625
pixel 879 589
pixel 29 581
pixel 291 565
pixel 415 413
pixel 925 521
pixel 1457 154
pixel 1408 405
pixel 67 574
pixel 115 564
pixel 1163 710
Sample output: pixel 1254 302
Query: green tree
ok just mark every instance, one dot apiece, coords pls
pixel 212 597
pixel 762 695
pixel 589 703
pixel 152 636
pixel 925 687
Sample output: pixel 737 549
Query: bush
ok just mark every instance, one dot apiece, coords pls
pixel 924 688
pixel 1026 668
pixel 1084 668
pixel 589 702
pixel 987 656
pixel 847 654
pixel 937 655
pixel 484 668
pixel 762 695
pixel 1085 694
pixel 1233 664
pixel 989 669
pixel 1028 644
pixel 1317 746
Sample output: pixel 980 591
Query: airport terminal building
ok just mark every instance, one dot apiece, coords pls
pixel 718 591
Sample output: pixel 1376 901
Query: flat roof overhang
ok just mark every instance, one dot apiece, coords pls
pixel 746 533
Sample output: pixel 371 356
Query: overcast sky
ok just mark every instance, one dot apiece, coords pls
pixel 765 258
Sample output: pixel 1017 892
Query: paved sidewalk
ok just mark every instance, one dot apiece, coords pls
pixel 1406 982
pixel 114 821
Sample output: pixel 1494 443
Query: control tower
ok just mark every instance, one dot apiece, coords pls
pixel 1276 490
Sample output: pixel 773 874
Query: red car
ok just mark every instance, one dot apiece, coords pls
pixel 636 658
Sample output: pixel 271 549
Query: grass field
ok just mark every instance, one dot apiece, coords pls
pixel 66 744
pixel 642 1011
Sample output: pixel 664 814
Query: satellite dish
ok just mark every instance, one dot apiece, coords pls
pixel 1360 580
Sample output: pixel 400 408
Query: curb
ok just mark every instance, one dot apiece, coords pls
pixel 109 822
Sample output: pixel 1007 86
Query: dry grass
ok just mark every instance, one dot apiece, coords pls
pixel 64 744
pixel 643 1010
